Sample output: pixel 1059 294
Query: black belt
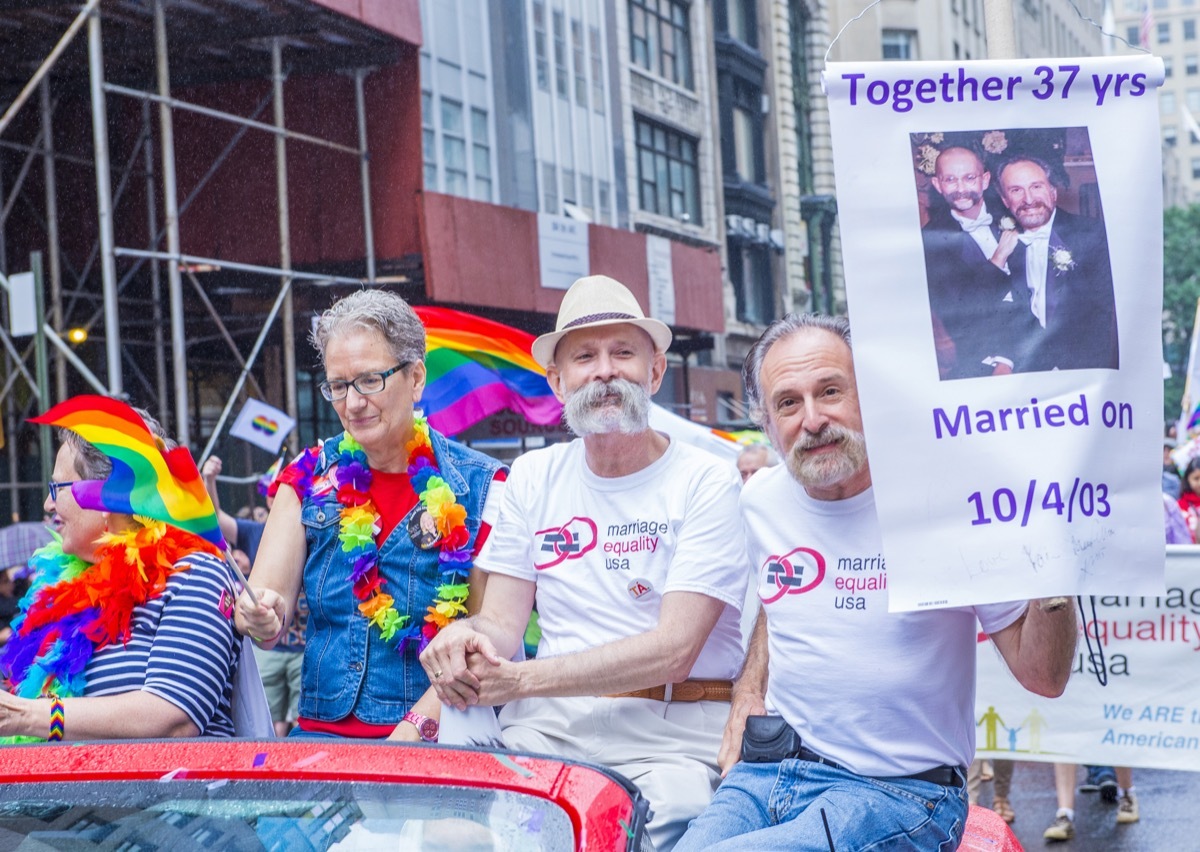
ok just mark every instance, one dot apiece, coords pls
pixel 947 776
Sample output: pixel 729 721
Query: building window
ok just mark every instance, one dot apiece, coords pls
pixel 1189 30
pixel 549 188
pixel 1168 65
pixel 597 69
pixel 744 144
pixel 428 141
pixel 750 274
pixel 1170 135
pixel 1133 35
pixel 568 186
pixel 1196 168
pixel 539 45
pixel 661 38
pixel 1166 102
pixel 581 86
pixel 899 44
pixel 560 54
pixel 1193 100
pixel 587 198
pixel 602 196
pixel 741 21
pixel 745 156
pixel 1191 64
pixel 481 153
pixel 454 148
pixel 667 178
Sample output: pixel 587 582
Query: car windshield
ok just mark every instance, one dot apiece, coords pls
pixel 284 815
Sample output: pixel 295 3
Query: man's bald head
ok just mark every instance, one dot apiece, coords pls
pixel 961 178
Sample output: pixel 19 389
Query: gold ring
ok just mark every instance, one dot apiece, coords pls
pixel 437 674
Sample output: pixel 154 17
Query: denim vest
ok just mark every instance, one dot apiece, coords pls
pixel 347 667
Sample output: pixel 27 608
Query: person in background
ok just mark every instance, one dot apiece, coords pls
pixel 1189 498
pixel 341 529
pixel 1171 484
pixel 1114 787
pixel 14 583
pixel 754 458
pixel 126 630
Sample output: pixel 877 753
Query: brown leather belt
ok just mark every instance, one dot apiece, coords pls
pixel 689 690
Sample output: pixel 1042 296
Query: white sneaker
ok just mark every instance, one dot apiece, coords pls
pixel 1127 809
pixel 1061 829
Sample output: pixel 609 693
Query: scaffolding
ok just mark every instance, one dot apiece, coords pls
pixel 214 41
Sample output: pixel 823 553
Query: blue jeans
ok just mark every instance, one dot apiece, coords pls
pixel 773 806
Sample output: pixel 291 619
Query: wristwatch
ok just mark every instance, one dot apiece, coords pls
pixel 426 727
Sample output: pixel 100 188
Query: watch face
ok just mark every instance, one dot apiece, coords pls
pixel 428 730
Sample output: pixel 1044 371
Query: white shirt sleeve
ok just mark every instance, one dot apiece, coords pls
pixel 507 550
pixel 711 557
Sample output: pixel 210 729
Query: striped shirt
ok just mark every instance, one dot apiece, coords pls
pixel 182 648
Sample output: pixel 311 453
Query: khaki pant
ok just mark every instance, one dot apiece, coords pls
pixel 668 749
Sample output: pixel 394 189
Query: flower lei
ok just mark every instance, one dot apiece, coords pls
pixel 359 525
pixel 74 608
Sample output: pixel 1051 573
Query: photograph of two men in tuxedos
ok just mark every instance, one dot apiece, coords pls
pixel 1017 283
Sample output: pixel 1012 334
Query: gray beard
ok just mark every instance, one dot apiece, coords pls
pixel 587 412
pixel 827 470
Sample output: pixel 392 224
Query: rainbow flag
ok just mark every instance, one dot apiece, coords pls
pixel 145 479
pixel 476 367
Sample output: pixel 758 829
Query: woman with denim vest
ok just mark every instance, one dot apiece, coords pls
pixel 378 526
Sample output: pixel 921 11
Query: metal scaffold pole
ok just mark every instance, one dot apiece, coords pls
pixel 171 215
pixel 108 266
pixel 285 247
pixel 360 108
pixel 52 247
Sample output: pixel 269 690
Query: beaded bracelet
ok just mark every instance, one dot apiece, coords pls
pixel 57 719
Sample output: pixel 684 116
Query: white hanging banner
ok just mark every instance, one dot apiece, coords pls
pixel 1002 244
pixel 1148 711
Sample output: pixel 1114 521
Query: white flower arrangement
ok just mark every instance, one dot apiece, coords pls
pixel 927 159
pixel 994 142
pixel 1062 260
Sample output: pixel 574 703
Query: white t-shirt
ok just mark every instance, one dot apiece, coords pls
pixel 883 694
pixel 603 551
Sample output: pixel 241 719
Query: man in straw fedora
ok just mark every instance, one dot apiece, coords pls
pixel 631 543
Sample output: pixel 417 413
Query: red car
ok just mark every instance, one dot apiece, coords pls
pixel 302 795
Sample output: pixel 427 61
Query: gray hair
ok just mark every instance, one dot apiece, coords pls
pixel 90 463
pixel 374 310
pixel 765 449
pixel 777 331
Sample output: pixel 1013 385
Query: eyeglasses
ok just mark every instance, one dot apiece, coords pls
pixel 366 384
pixel 55 487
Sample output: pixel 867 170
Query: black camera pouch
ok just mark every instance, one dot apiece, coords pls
pixel 768 739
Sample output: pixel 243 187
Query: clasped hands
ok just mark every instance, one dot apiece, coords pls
pixel 465 669
pixel 262 622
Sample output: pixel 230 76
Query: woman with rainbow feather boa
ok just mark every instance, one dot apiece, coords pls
pixel 126 630
pixel 378 525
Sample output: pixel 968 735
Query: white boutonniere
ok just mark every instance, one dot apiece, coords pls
pixel 1007 224
pixel 1062 260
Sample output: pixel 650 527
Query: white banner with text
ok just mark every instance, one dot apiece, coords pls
pixel 1148 711
pixel 1002 245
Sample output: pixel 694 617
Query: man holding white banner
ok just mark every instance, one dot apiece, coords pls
pixel 854 724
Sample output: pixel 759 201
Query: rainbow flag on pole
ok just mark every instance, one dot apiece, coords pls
pixel 476 367
pixel 146 478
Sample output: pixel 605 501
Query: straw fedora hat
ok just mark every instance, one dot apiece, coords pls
pixel 593 301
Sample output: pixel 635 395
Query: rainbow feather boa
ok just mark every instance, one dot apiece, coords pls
pixel 359 526
pixel 74 608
